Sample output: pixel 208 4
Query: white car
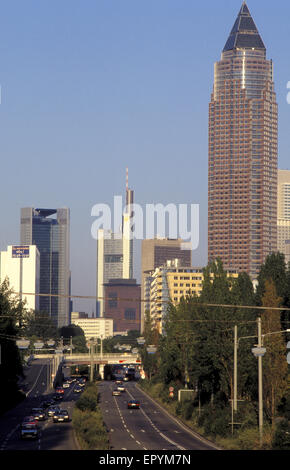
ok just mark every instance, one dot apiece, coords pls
pixel 66 385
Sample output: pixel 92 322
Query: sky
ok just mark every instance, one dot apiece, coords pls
pixel 91 87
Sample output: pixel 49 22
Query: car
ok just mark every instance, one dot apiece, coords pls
pixel 133 404
pixel 53 409
pixel 57 397
pixel 29 420
pixel 59 390
pixel 78 389
pixel 28 431
pixel 119 382
pixel 121 388
pixel 38 413
pixel 116 392
pixel 66 385
pixel 46 404
pixel 126 379
pixel 61 416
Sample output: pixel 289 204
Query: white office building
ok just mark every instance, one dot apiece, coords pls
pixel 21 265
pixel 95 327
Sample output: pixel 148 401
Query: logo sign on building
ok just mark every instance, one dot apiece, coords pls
pixel 20 251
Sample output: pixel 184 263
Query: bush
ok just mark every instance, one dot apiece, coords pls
pixel 185 409
pixel 281 439
pixel 88 422
pixel 215 420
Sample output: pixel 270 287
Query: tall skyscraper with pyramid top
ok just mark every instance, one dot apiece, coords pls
pixel 243 152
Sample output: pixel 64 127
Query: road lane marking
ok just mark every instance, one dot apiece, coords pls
pixel 157 430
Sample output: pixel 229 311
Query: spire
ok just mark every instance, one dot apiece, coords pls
pixel 244 34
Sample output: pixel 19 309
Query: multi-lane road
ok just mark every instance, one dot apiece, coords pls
pixel 147 428
pixel 52 436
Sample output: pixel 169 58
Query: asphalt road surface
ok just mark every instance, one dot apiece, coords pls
pixel 52 436
pixel 147 428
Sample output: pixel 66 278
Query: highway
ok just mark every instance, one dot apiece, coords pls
pixel 52 436
pixel 147 428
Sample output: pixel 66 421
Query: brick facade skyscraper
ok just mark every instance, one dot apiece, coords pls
pixel 243 148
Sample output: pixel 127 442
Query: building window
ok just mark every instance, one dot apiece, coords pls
pixel 130 314
pixel 113 302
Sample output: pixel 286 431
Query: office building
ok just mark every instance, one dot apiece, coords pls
pixel 284 213
pixel 170 283
pixel 123 304
pixel 242 164
pixel 49 230
pixel 21 266
pixel 98 328
pixel 155 253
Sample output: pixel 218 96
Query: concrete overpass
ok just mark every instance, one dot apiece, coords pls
pixel 93 359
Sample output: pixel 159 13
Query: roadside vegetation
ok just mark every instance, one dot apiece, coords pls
pixel 196 352
pixel 88 422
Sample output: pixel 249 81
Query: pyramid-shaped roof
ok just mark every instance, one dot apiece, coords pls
pixel 244 34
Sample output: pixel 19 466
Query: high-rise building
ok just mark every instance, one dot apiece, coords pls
pixel 156 252
pixel 115 252
pixel 243 152
pixel 122 304
pixel 49 230
pixel 171 283
pixel 21 266
pixel 284 213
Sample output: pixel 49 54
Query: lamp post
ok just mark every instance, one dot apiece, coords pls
pixel 258 351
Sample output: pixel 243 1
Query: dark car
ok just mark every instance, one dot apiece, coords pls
pixel 29 420
pixel 61 416
pixel 57 397
pixel 52 410
pixel 78 389
pixel 28 431
pixel 59 390
pixel 38 413
pixel 133 404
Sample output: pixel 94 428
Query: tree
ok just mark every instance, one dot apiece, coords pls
pixel 11 316
pixel 275 366
pixel 274 268
pixel 78 337
pixel 40 325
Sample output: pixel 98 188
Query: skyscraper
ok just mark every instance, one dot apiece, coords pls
pixel 48 229
pixel 284 213
pixel 243 122
pixel 115 252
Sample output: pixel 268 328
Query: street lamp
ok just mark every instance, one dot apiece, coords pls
pixel 258 351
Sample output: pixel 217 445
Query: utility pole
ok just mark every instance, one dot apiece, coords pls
pixel 260 379
pixel 235 406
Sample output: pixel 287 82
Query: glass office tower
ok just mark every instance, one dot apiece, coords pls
pixel 243 152
pixel 48 229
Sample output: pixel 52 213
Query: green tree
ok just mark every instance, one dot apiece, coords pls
pixel 11 316
pixel 78 338
pixel 39 325
pixel 275 366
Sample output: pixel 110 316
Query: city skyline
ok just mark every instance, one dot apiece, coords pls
pixel 175 136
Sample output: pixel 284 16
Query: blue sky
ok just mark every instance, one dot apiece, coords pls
pixel 91 87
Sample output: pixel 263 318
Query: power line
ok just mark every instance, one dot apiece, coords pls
pixel 131 299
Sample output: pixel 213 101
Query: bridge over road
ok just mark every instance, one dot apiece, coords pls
pixel 96 359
